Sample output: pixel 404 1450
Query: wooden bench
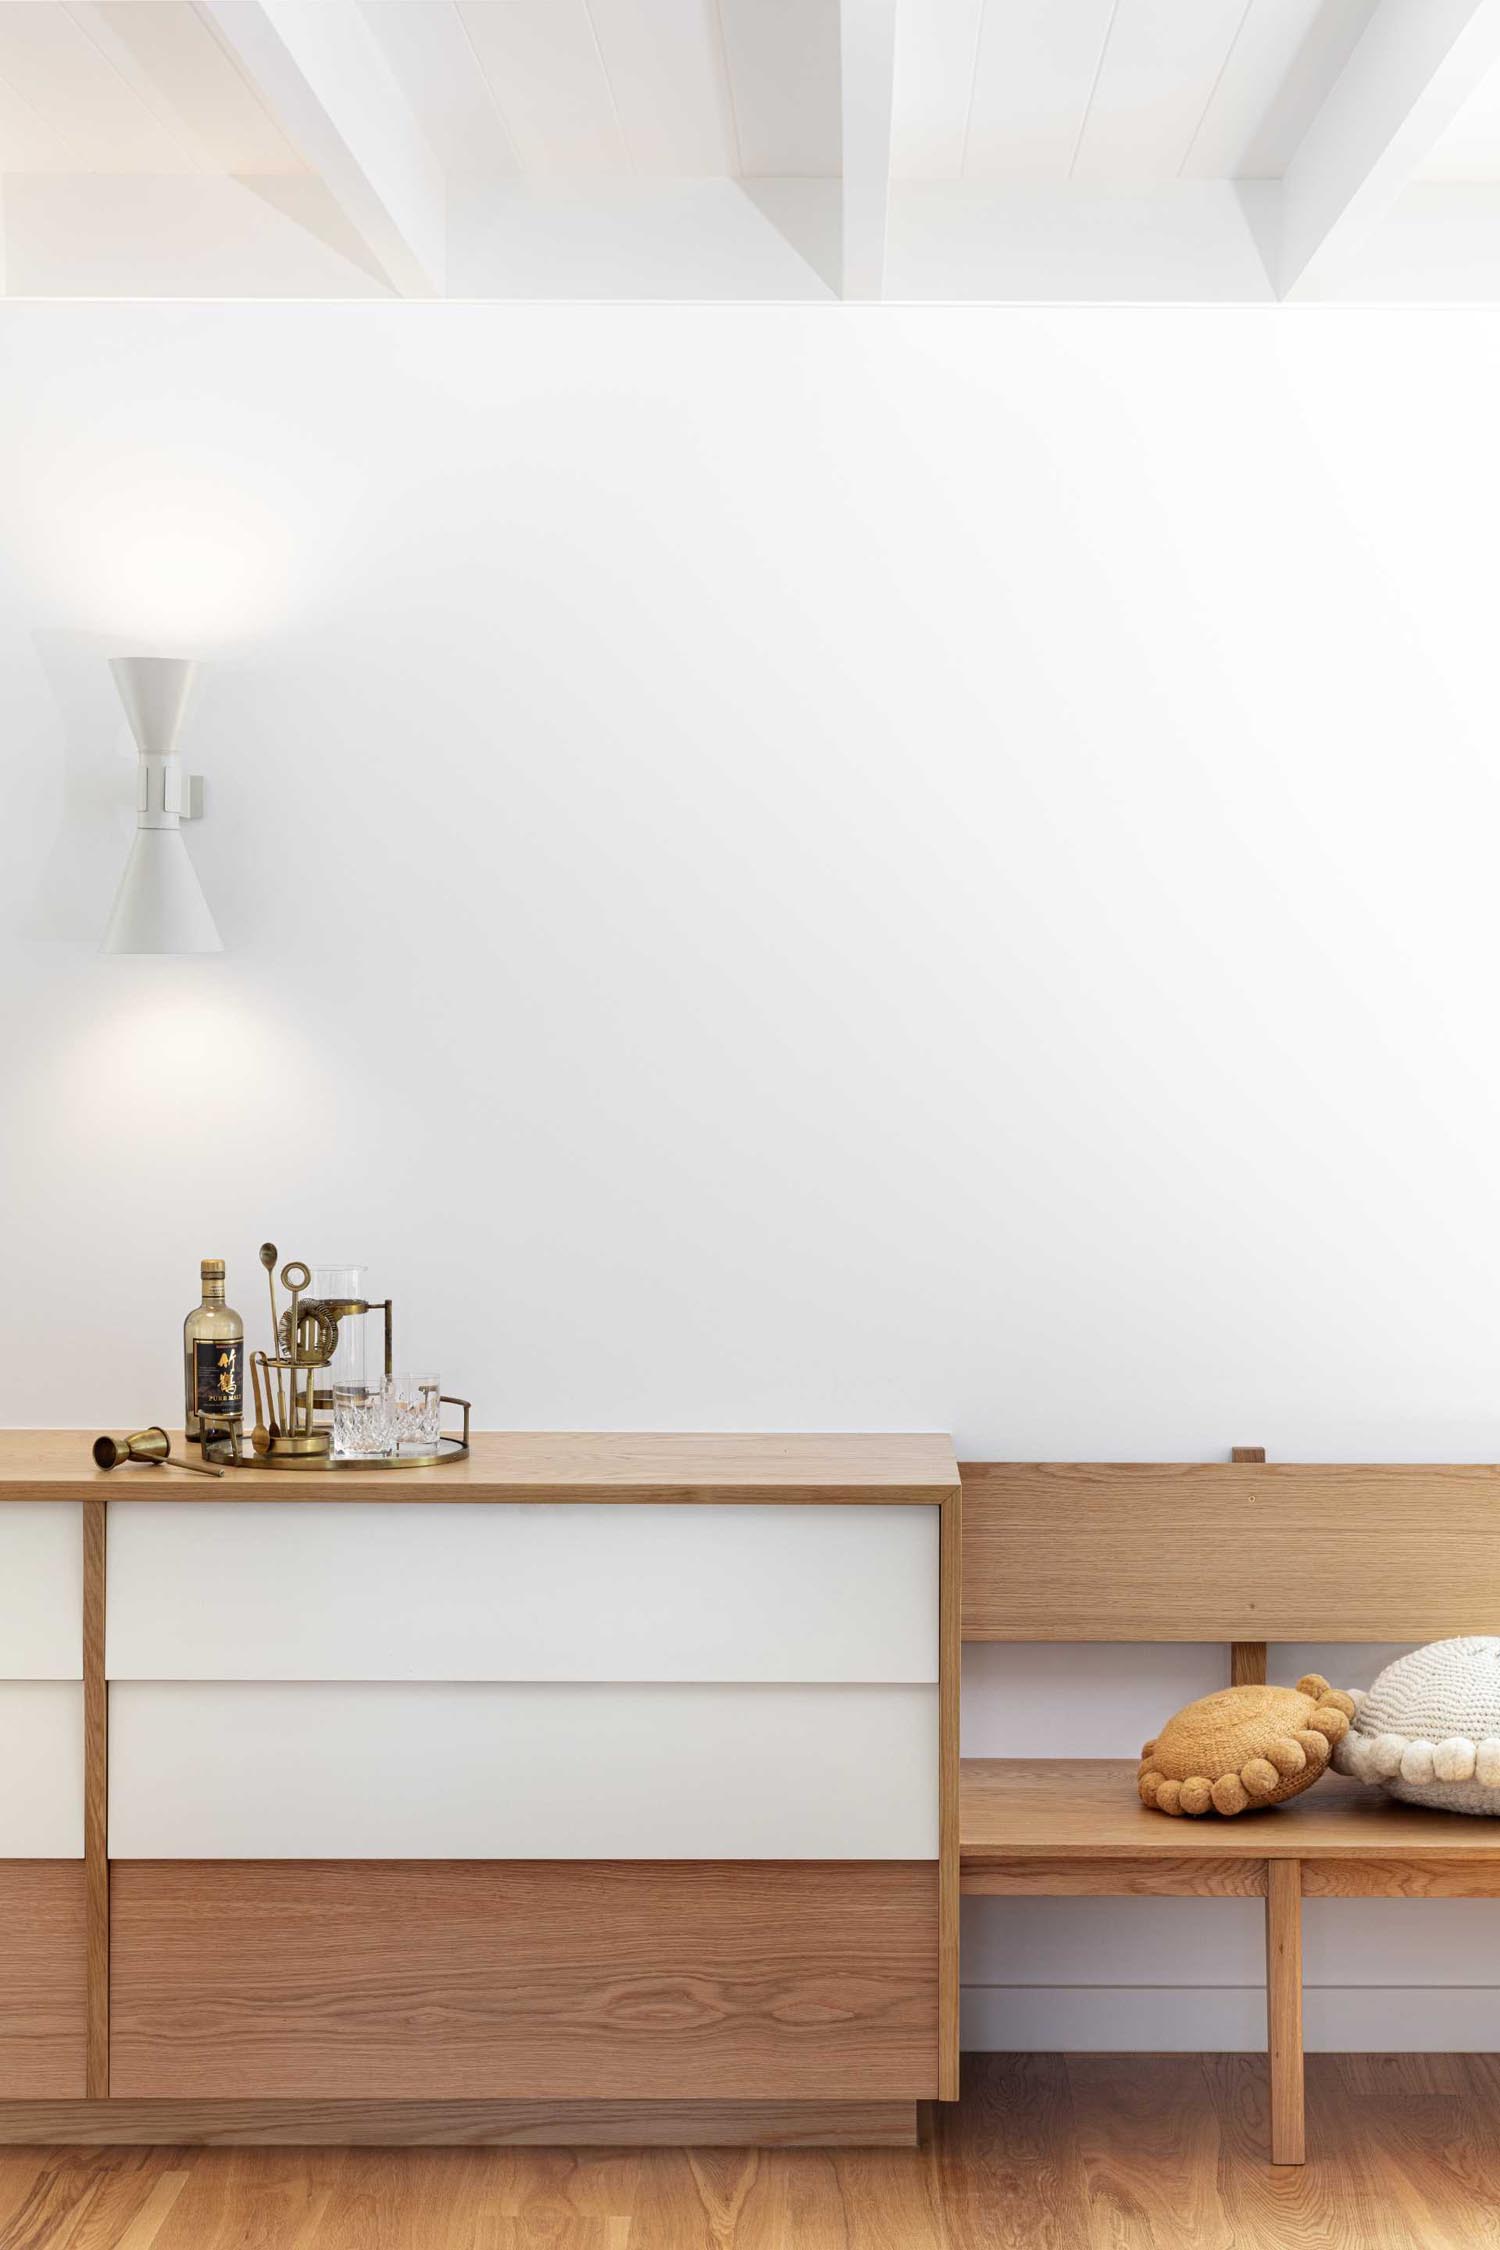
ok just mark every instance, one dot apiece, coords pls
pixel 1247 1554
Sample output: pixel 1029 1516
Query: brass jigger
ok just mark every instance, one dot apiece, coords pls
pixel 152 1446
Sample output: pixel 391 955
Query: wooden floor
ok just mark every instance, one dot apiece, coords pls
pixel 1050 2152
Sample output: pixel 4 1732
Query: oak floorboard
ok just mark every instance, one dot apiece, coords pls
pixel 705 2199
pixel 19 2169
pixel 858 2199
pixel 475 2199
pixel 552 2186
pixel 142 2232
pixel 739 2199
pixel 1332 2201
pixel 1004 2160
pixel 1425 2127
pixel 1150 2144
pixel 496 2232
pixel 1049 2152
pixel 82 2199
pixel 242 2199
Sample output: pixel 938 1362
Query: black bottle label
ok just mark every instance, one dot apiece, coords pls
pixel 219 1377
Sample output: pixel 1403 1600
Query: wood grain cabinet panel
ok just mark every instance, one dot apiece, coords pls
pixel 227 1590
pixel 1228 1551
pixel 562 1980
pixel 41 1980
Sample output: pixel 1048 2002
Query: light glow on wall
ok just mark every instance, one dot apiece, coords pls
pixel 160 552
pixel 174 1051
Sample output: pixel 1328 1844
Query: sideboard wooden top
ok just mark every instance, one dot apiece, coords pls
pixel 526 1465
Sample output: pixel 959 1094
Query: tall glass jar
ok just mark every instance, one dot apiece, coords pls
pixel 359 1356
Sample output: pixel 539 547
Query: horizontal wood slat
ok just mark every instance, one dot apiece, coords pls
pixel 537 1980
pixel 1458 1875
pixel 1229 1551
pixel 479 2124
pixel 1037 1876
pixel 42 1978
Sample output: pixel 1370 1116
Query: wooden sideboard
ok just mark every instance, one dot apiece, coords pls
pixel 593 1787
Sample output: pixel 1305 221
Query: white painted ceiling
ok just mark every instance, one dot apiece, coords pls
pixel 585 147
pixel 1113 90
pixel 127 86
pixel 1098 90
pixel 1470 148
pixel 597 88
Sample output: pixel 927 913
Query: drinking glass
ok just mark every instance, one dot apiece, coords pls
pixel 417 1411
pixel 361 1419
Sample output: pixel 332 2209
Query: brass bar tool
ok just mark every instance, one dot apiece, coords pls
pixel 260 1372
pixel 153 1447
pixel 305 1338
pixel 268 1260
pixel 294 1290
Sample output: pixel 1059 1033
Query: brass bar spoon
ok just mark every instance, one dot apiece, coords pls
pixel 260 1436
pixel 268 1260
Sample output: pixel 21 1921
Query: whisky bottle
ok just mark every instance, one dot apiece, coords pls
pixel 213 1351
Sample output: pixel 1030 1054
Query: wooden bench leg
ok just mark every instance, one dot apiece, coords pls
pixel 1284 2008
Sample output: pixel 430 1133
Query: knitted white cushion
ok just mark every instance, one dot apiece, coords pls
pixel 1429 1729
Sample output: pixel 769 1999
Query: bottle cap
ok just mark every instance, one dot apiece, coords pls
pixel 214 1267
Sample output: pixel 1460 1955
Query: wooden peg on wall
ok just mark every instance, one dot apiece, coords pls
pixel 1247 1659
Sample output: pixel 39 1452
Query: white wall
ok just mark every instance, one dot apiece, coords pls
pixel 794 868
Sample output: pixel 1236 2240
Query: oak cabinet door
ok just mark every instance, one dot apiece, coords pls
pixel 41 1979
pixel 543 1980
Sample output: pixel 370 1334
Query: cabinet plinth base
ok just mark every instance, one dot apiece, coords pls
pixel 515 2124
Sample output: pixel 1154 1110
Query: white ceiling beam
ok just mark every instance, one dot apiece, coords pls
pixel 1413 69
pixel 324 77
pixel 867 39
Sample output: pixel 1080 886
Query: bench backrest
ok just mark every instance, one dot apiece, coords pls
pixel 1220 1551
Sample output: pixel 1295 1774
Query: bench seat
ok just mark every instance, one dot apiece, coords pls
pixel 1074 1827
pixel 1024 1823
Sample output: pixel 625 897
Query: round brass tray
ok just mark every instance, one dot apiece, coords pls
pixel 244 1455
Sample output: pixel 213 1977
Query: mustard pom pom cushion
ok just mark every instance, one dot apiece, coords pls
pixel 1429 1729
pixel 1245 1746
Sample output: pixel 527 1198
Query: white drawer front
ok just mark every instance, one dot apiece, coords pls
pixel 402 1591
pixel 472 1771
pixel 41 1589
pixel 41 1770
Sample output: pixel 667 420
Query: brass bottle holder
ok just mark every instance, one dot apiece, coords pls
pixel 287 1433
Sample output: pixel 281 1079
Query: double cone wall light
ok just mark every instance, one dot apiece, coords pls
pixel 159 907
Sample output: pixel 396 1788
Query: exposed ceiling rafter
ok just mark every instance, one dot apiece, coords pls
pixel 323 75
pixel 867 39
pixel 1414 67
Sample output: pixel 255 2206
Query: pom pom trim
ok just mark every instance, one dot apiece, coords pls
pixel 1418 1761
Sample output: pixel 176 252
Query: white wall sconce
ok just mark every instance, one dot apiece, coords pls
pixel 159 907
